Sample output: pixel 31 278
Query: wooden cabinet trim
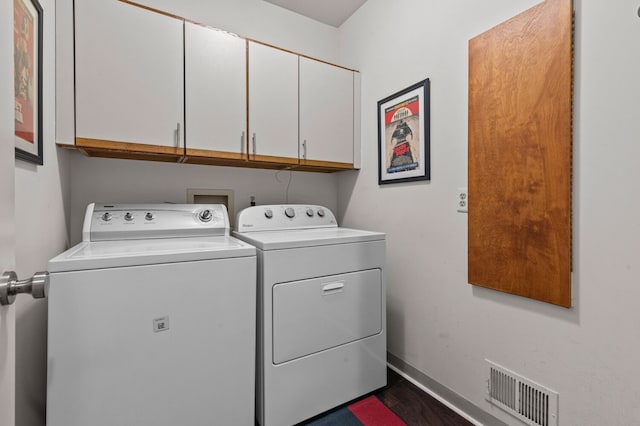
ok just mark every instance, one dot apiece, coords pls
pixel 191 152
pixel 326 164
pixel 131 151
pixel 273 159
pixel 128 147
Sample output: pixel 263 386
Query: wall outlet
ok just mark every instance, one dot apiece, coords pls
pixel 462 200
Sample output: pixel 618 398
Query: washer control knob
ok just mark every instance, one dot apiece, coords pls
pixel 128 216
pixel 268 213
pixel 310 212
pixel 205 215
pixel 289 212
pixel 148 216
pixel 107 216
pixel 321 212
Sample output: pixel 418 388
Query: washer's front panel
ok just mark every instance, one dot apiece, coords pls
pixel 159 345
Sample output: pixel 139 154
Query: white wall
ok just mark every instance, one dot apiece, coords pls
pixel 437 322
pixel 41 196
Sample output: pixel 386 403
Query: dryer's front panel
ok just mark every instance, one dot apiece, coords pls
pixel 162 345
pixel 322 338
pixel 313 315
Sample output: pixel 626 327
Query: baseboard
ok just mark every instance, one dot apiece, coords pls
pixel 455 402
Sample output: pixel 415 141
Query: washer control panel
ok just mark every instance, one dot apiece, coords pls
pixel 104 222
pixel 285 216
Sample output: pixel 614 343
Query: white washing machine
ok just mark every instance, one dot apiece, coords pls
pixel 152 320
pixel 321 311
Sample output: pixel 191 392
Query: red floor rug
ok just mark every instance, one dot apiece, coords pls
pixel 365 412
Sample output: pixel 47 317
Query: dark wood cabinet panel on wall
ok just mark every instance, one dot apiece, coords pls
pixel 520 154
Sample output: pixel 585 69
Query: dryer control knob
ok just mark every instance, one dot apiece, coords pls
pixel 320 212
pixel 268 213
pixel 128 216
pixel 205 215
pixel 107 216
pixel 148 216
pixel 310 212
pixel 289 212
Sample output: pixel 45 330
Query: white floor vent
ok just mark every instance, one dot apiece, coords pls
pixel 528 401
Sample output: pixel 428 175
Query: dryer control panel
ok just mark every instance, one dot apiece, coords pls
pixel 285 216
pixel 107 222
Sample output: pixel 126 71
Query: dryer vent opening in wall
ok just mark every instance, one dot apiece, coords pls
pixel 528 401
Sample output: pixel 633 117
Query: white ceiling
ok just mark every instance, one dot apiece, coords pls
pixel 332 12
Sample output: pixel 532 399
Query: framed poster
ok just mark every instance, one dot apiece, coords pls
pixel 27 59
pixel 403 135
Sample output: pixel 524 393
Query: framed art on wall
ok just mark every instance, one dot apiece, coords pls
pixel 27 57
pixel 403 135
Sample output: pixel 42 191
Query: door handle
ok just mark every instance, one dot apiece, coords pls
pixel 10 286
pixel 332 288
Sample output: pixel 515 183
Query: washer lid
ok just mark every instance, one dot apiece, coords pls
pixel 295 238
pixel 114 254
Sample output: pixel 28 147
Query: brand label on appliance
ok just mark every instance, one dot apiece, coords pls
pixel 160 324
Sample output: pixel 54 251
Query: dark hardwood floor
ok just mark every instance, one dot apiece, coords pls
pixel 410 403
pixel 414 406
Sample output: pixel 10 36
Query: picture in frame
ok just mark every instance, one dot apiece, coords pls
pixel 403 135
pixel 27 57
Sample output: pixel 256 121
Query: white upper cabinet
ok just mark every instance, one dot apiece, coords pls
pixel 129 74
pixel 326 112
pixel 138 83
pixel 273 104
pixel 215 92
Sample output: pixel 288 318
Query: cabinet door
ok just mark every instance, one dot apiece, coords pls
pixel 129 78
pixel 326 114
pixel 273 104
pixel 215 93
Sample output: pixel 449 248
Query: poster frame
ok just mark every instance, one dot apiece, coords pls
pixel 392 139
pixel 28 140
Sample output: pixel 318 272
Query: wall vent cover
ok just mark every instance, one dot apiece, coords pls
pixel 528 401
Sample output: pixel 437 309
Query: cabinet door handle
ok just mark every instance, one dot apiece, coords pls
pixel 242 143
pixel 304 149
pixel 178 135
pixel 253 139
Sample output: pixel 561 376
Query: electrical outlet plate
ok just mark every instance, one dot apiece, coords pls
pixel 462 200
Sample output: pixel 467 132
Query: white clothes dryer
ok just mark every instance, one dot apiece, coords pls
pixel 152 320
pixel 321 311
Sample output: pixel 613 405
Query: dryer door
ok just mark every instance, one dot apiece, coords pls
pixel 313 315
